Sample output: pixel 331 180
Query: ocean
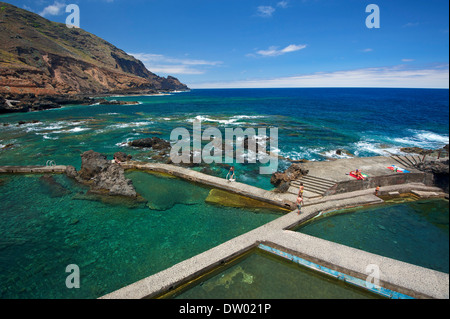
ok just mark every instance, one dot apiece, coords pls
pixel 48 224
pixel 312 124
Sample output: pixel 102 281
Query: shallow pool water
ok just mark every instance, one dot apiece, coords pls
pixel 414 232
pixel 264 276
pixel 49 223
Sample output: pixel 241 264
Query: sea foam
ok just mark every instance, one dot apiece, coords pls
pixel 423 139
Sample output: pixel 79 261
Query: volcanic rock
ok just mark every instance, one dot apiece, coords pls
pixel 46 58
pixel 294 172
pixel 102 176
pixel 440 171
pixel 122 157
pixel 155 142
pixel 415 150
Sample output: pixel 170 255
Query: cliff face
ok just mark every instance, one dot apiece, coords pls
pixel 45 58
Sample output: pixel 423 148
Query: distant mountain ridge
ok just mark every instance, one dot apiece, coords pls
pixel 41 57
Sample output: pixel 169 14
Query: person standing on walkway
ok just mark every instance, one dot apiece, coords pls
pixel 301 190
pixel 300 198
pixel 299 204
pixel 231 177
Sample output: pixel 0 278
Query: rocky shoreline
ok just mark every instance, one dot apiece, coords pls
pixel 22 103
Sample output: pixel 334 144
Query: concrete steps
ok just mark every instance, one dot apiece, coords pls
pixel 408 161
pixel 315 185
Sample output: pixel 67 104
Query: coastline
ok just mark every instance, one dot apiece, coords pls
pixel 29 102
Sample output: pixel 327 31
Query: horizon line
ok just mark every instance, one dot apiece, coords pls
pixel 319 87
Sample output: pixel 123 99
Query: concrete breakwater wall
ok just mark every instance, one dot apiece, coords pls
pixel 406 278
pixel 286 201
pixel 58 169
pixel 385 180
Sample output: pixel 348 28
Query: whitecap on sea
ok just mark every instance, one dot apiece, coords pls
pixel 374 148
pixel 423 139
pixel 47 137
pixel 233 120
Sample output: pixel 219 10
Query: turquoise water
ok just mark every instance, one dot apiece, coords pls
pixel 413 232
pixel 263 276
pixel 312 124
pixel 47 226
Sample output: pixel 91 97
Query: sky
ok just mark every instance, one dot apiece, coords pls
pixel 274 43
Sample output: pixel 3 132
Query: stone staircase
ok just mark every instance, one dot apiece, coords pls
pixel 314 186
pixel 408 161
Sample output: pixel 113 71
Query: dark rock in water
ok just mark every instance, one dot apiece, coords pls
pixel 415 150
pixel 342 152
pixel 294 172
pixel 113 180
pixel 103 177
pixel 114 102
pixel 92 163
pixel 12 103
pixel 28 122
pixel 155 142
pixel 161 157
pixel 7 146
pixel 122 157
pixel 55 189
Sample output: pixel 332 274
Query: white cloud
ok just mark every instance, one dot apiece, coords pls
pixel 283 4
pixel 367 50
pixel 265 11
pixel 407 60
pixel 268 11
pixel 390 77
pixel 274 51
pixel 159 63
pixel 53 10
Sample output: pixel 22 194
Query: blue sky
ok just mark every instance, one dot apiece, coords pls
pixel 273 43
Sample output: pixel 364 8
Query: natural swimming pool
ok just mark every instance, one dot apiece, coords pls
pixel 414 232
pixel 261 275
pixel 47 224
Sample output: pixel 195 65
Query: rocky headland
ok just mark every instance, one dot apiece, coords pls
pixel 44 64
pixel 20 103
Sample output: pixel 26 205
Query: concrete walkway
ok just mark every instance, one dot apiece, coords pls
pixel 281 200
pixel 399 276
pixel 57 169
pixel 402 277
pixel 338 170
